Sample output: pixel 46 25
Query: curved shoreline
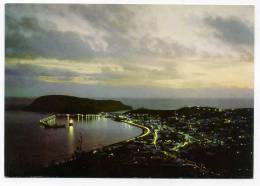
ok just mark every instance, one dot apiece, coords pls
pixel 143 134
pixel 145 129
pixel 104 150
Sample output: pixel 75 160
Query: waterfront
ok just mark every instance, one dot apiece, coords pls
pixel 28 146
pixel 192 142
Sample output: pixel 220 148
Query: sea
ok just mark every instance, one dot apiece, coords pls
pixel 176 103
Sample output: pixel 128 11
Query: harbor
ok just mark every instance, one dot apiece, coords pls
pixel 168 149
pixel 52 122
pixel 41 147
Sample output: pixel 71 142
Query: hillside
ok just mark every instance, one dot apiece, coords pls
pixel 70 104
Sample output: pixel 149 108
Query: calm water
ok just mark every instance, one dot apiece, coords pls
pixel 28 146
pixel 172 104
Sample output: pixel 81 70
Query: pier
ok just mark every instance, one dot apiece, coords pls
pixel 81 117
pixel 49 121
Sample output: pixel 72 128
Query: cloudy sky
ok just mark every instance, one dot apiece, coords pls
pixel 129 50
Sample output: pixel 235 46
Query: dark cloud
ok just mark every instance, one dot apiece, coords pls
pixel 127 46
pixel 118 21
pixel 114 19
pixel 30 36
pixel 34 71
pixel 232 30
pixel 26 37
pixel 165 47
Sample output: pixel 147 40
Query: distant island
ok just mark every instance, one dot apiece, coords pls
pixel 72 105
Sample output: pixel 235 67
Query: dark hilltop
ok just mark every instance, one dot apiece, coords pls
pixel 72 105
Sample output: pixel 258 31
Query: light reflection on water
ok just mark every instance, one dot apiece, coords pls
pixel 71 139
pixel 27 145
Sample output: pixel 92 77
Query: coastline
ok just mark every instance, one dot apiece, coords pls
pixel 145 131
pixel 145 156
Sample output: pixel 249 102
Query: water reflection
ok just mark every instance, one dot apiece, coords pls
pixel 71 139
pixel 127 126
pixel 43 146
pixel 68 118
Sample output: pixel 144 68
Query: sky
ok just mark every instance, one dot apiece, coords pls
pixel 136 51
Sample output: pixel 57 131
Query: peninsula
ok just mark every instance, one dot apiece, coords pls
pixel 73 105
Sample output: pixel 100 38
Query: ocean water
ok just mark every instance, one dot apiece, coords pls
pixel 172 104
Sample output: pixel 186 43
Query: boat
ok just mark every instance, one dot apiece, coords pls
pixel 71 122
